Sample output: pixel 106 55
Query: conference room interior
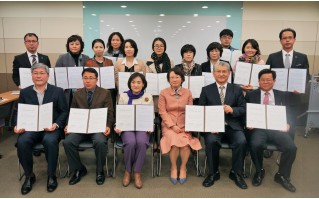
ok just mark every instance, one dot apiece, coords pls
pixel 247 19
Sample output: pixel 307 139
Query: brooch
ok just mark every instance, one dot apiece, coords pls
pixel 146 99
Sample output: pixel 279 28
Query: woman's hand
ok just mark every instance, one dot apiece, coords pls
pixel 18 131
pixel 118 131
pixel 176 129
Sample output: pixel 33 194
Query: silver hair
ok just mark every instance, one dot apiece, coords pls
pixel 40 65
pixel 222 63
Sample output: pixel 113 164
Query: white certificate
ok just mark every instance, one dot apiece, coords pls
pixel 256 116
pixel 297 80
pixel 185 84
pixel 107 77
pixel 61 77
pixel 152 83
pixel 97 120
pixel 27 117
pixel 51 79
pixel 214 119
pixel 276 118
pixel 194 118
pixel 144 118
pixel 123 79
pixel 281 78
pixel 196 84
pixel 162 81
pixel 78 120
pixel 226 55
pixel 125 117
pixel 45 116
pixel 209 78
pixel 75 77
pixel 254 73
pixel 242 75
pixel 97 69
pixel 25 77
pixel 235 57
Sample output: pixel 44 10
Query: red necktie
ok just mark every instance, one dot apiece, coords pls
pixel 266 98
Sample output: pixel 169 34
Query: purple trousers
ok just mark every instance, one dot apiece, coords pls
pixel 135 144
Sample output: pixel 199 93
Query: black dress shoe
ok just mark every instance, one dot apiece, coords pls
pixel 210 179
pixel 52 183
pixel 239 180
pixel 258 177
pixel 100 178
pixel 78 174
pixel 285 182
pixel 27 185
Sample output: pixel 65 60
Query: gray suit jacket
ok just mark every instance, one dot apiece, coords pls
pixel 66 60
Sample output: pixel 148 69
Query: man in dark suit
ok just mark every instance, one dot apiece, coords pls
pixel 41 93
pixel 259 137
pixel 288 58
pixel 231 97
pixel 27 59
pixel 89 97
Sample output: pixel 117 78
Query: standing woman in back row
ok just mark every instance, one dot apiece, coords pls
pixel 114 44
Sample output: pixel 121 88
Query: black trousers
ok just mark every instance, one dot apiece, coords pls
pixel 283 141
pixel 237 141
pixel 28 140
pixel 71 145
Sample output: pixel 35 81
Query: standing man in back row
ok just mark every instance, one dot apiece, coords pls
pixel 288 58
pixel 226 37
pixel 29 58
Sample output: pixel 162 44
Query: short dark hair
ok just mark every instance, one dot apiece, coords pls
pixel 177 71
pixel 267 71
pixel 226 32
pixel 98 41
pixel 135 75
pixel 212 46
pixel 133 44
pixel 287 30
pixel 161 40
pixel 186 48
pixel 90 70
pixel 73 38
pixel 253 43
pixel 109 46
pixel 30 35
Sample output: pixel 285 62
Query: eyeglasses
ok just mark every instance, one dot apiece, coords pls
pixel 38 74
pixel 88 78
pixel 156 46
pixel 287 38
pixel 226 37
pixel 266 80
pixel 31 41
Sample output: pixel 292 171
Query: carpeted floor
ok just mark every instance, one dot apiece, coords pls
pixel 305 176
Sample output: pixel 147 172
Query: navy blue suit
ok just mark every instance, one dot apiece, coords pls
pixel 22 61
pixel 234 131
pixel 50 140
pixel 260 137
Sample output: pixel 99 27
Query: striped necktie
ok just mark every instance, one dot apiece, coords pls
pixel 287 61
pixel 34 60
pixel 222 95
pixel 266 98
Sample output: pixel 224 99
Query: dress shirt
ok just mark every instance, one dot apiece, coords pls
pixel 271 97
pixel 30 57
pixel 40 96
pixel 291 53
pixel 134 62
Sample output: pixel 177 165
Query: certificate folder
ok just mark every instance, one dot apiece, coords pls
pixel 156 82
pixel 87 120
pixel 247 73
pixel 204 118
pixel 35 117
pixel 266 116
pixel 290 79
pixel 135 117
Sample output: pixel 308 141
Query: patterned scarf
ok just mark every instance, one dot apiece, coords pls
pixel 164 59
pixel 188 68
pixel 254 60
pixel 132 96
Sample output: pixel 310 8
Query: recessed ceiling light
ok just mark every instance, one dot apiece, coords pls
pixel 160 21
pixel 195 15
pixel 133 25
pixel 101 20
pixel 90 28
pixel 217 21
pixel 228 16
pixel 107 25
pixel 209 26
pixel 202 29
pixel 242 8
pixel 189 22
pixel 83 6
pixel 183 26
pixel 158 26
pixel 135 28
pixel 205 7
pixel 127 15
pixel 179 29
pixel 162 15
pixel 93 15
pixel 131 21
pixel 123 6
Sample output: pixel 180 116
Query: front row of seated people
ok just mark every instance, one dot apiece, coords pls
pixel 175 141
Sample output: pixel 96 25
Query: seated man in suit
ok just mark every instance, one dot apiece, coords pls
pixel 27 59
pixel 259 137
pixel 41 93
pixel 231 97
pixel 89 97
pixel 288 58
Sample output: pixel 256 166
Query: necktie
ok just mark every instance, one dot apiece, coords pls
pixel 221 94
pixel 34 60
pixel 90 97
pixel 266 98
pixel 287 61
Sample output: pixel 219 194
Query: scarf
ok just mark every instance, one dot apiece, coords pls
pixel 164 59
pixel 254 60
pixel 132 96
pixel 188 68
pixel 76 58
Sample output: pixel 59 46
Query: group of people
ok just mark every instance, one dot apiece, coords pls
pixel 169 106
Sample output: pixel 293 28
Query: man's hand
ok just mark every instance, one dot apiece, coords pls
pixel 228 109
pixel 52 128
pixel 107 131
pixel 18 131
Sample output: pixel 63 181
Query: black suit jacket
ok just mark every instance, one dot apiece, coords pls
pixel 22 61
pixel 52 94
pixel 234 98
pixel 280 99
